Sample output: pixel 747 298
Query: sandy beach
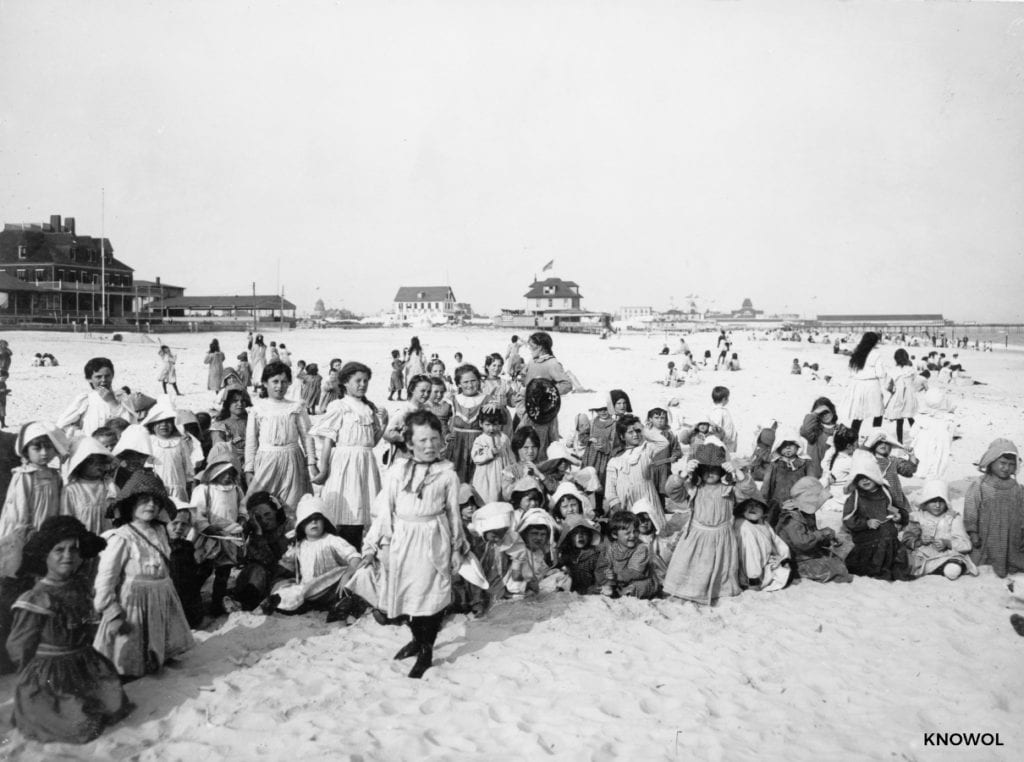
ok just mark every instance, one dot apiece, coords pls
pixel 859 671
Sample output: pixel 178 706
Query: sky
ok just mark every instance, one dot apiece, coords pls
pixel 816 157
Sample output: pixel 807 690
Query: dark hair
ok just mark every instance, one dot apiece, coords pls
pixel 617 394
pixel 95 364
pixel 841 439
pixel 826 402
pixel 719 394
pixel 105 431
pixel 496 416
pixel 93 458
pixel 622 520
pixel 438 381
pixel 624 423
pixel 276 368
pixel 415 381
pixel 867 342
pixel 902 358
pixel 333 361
pixel 515 337
pixel 523 435
pixel 229 398
pixel 214 346
pixel 300 528
pixel 741 507
pixel 926 373
pixel 414 345
pixel 265 498
pixel 348 370
pixel 656 411
pixel 421 418
pixel 492 357
pixel 203 419
pixel 697 478
pixel 395 353
pixel 463 369
pixel 54 530
pixel 542 340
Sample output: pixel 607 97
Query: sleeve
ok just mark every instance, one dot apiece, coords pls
pixel 797 536
pixel 638 566
pixel 393 432
pixel 958 538
pixel 482 451
pixel 602 566
pixel 781 548
pixel 611 483
pixel 72 416
pixel 15 512
pixel 811 427
pixel 208 359
pixel 459 543
pixel 972 502
pixel 561 378
pixel 201 503
pixel 379 534
pixel 855 522
pixel 768 484
pixel 252 440
pixel 330 425
pixel 26 632
pixel 304 426
pixel 343 551
pixel 113 559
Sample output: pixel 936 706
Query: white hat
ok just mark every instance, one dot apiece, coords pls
pixel 37 429
pixel 84 447
pixel 877 435
pixel 492 517
pixel 161 411
pixel 308 506
pixel 558 451
pixel 643 505
pixel 136 438
pixel 933 489
pixel 570 488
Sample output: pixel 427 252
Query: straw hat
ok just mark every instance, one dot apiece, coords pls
pixel 575 521
pixel 542 401
pixel 142 483
pixel 54 530
pixel 492 517
pixel 37 429
pixel 85 447
pixel 710 453
pixel 134 438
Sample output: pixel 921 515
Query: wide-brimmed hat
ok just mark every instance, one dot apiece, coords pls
pixel 876 436
pixel 710 453
pixel 135 438
pixel 138 484
pixel 575 521
pixel 808 494
pixel 309 506
pixel 85 447
pixel 184 417
pixel 573 490
pixel 933 489
pixel 863 463
pixel 996 450
pixel 644 505
pixel 788 435
pixel 54 530
pixel 162 411
pixel 467 492
pixel 558 451
pixel 491 518
pixel 37 429
pixel 538 517
pixel 747 490
pixel 220 458
pixel 525 484
pixel 138 402
pixel 542 401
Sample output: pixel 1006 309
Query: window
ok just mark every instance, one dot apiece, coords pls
pixel 551 302
pixel 40 274
pixel 60 275
pixel 22 251
pixel 21 273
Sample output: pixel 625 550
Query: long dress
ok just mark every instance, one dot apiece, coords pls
pixel 600 443
pixel 66 690
pixel 258 362
pixel 278 449
pixel 630 477
pixel 863 399
pixel 498 392
pixel 134 579
pixel 491 456
pixel 994 519
pixel 354 480
pixel 174 462
pixel 418 522
pixel 414 366
pixel 215 374
pixel 465 429
pixel 550 368
pixel 32 497
pixel 168 375
pixel 232 431
pixel 87 501
pixel 903 402
pixel 705 564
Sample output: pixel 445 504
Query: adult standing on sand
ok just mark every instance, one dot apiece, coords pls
pixel 215 359
pixel 864 396
pixel 544 367
pixel 414 365
pixel 257 359
pixel 5 357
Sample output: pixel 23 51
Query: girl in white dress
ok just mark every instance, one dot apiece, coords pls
pixel 174 459
pixel 351 429
pixel 167 373
pixel 279 455
pixel 864 396
pixel 902 405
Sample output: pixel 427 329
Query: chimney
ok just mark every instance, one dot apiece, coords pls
pixel 55 222
pixel 69 225
pixel 158 280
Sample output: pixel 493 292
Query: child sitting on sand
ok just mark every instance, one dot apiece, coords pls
pixel 994 510
pixel 535 568
pixel 786 468
pixel 809 546
pixel 892 467
pixel 624 566
pixel 942 544
pixel 662 540
pixel 495 545
pixel 764 557
pixel 874 521
pixel 579 551
pixel 188 582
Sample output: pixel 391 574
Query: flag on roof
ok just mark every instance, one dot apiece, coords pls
pixel 548 266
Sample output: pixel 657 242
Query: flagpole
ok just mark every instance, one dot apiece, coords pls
pixel 103 257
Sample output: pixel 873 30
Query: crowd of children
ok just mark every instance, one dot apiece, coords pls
pixel 124 509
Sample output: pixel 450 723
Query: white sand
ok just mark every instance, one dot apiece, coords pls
pixel 814 672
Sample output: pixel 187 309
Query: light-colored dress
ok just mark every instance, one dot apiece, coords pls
pixel 89 411
pixel 418 523
pixel 87 500
pixel 414 366
pixel 33 496
pixel 354 480
pixel 491 456
pixel 258 362
pixel 322 568
pixel 903 402
pixel 168 375
pixel 926 558
pixel 758 543
pixel 863 399
pixel 134 579
pixel 221 506
pixel 215 374
pixel 705 564
pixel 174 462
pixel 278 449
pixel 630 477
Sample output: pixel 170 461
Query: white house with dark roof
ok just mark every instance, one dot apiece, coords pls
pixel 433 302
pixel 553 294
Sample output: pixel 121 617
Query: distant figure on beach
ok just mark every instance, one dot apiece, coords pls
pixel 5 357
pixel 414 363
pixel 215 359
pixel 168 375
pixel 864 396
pixel 257 359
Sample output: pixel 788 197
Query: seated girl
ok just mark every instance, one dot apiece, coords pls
pixel 764 557
pixel 942 546
pixel 624 567
pixel 874 521
pixel 810 547
pixel 578 552
pixel 496 544
pixel 535 568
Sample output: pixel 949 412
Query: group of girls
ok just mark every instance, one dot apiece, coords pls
pixel 481 499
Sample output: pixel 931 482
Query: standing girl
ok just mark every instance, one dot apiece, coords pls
pixel 496 389
pixel 279 453
pixel 416 394
pixel 215 359
pixel 817 429
pixel 492 454
pixel 90 489
pixel 467 404
pixel 143 623
pixel 257 359
pixel 167 373
pixel 525 446
pixel 705 564
pixel 173 458
pixel 994 510
pixel 902 403
pixel 230 424
pixel 414 365
pixel 420 524
pixel 545 366
pixel 331 388
pixel 311 385
pixel 864 395
pixel 67 692
pixel 351 429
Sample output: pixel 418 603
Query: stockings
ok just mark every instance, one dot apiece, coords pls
pixel 424 633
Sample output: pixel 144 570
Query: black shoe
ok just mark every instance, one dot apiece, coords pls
pixel 410 649
pixel 340 611
pixel 1018 623
pixel 423 662
pixel 268 606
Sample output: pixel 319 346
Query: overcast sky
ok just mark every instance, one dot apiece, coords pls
pixel 813 156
